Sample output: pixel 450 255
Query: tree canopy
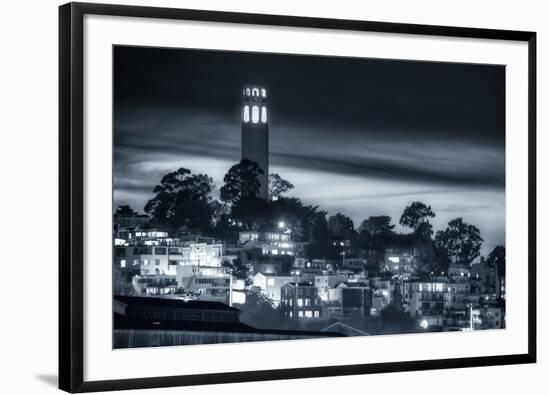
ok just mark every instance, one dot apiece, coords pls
pixel 182 199
pixel 416 216
pixel 461 240
pixel 278 186
pixel 497 259
pixel 341 226
pixel 241 182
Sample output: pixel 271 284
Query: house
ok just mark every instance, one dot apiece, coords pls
pixel 209 283
pixel 399 261
pixel 356 298
pixel 270 243
pixel 270 285
pixel 300 301
pixel 458 272
pixel 426 298
pixel 326 281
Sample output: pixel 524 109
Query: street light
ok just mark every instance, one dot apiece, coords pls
pixel 424 324
pixel 281 224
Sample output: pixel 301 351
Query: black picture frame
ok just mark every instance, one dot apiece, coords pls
pixel 71 223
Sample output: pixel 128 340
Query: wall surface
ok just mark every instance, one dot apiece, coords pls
pixel 28 156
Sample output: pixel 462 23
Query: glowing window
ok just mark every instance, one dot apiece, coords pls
pixel 246 114
pixel 247 91
pixel 271 281
pixel 264 93
pixel 264 115
pixel 255 92
pixel 255 114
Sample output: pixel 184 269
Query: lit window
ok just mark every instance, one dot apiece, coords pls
pixel 255 114
pixel 271 281
pixel 316 313
pixel 255 92
pixel 300 302
pixel 264 93
pixel 309 314
pixel 247 91
pixel 300 313
pixel 264 115
pixel 246 114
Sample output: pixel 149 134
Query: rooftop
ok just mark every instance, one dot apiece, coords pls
pixel 173 303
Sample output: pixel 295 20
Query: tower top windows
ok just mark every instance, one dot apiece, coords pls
pixel 255 114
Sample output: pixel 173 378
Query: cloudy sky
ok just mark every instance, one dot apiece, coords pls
pixel 358 136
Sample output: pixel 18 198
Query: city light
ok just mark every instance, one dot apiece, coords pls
pixel 424 324
pixel 281 224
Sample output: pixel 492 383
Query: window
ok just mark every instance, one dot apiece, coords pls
pixel 300 313
pixel 290 314
pixel 160 250
pixel 255 114
pixel 246 114
pixel 255 92
pixel 264 93
pixel 157 262
pixel 307 302
pixel 309 314
pixel 247 91
pixel 316 313
pixel 264 115
pixel 172 262
pixel 300 302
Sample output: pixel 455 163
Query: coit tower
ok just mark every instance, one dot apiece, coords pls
pixel 255 133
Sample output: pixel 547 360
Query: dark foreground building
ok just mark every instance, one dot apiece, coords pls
pixel 150 322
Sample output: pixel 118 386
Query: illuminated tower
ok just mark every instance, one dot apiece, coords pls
pixel 255 133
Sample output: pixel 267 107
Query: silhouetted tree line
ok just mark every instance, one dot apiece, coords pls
pixel 186 200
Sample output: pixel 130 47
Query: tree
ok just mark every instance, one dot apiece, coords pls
pixel 380 225
pixel 237 268
pixel 125 211
pixel 416 216
pixel 461 240
pixel 278 186
pixel 441 253
pixel 241 182
pixel 182 199
pixel 341 226
pixel 497 259
pixel 375 233
pixel 319 245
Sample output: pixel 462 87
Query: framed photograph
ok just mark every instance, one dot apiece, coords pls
pixel 250 197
